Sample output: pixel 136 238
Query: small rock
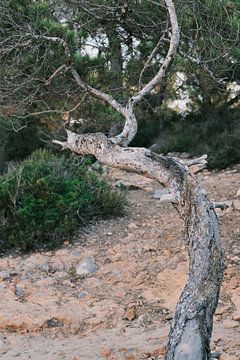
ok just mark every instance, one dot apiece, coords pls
pixel 141 320
pixel 60 275
pixel 194 169
pixel 106 352
pixel 148 189
pixel 53 322
pixel 215 355
pixel 230 324
pixel 236 316
pixel 219 212
pixel 130 313
pixel 109 233
pixel 169 316
pixel 159 193
pixel 4 275
pixel 86 267
pixel 167 199
pixel 236 205
pixel 44 267
pixel 82 294
pixel 19 290
pixel 132 226
pixel 218 317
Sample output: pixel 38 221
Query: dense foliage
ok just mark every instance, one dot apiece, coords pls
pixel 47 197
pixel 109 44
pixel 212 131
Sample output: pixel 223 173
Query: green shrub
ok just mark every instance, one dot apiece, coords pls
pixel 215 132
pixel 47 197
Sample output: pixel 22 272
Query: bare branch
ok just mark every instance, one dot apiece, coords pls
pixel 54 39
pixel 98 94
pixel 53 111
pixel 149 59
pixel 130 128
pixel 56 72
pixel 174 42
pixel 191 330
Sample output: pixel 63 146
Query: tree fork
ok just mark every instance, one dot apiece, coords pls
pixel 190 334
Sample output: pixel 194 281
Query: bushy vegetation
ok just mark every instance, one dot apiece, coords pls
pixel 215 132
pixel 15 144
pixel 47 197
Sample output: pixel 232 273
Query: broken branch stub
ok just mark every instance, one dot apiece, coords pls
pixel 191 330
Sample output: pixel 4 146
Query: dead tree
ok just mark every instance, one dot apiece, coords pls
pixel 190 334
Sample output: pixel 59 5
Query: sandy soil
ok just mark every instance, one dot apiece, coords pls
pixel 111 294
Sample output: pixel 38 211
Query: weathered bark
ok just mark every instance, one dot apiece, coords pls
pixel 190 334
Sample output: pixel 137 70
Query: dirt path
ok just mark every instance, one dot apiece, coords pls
pixel 112 294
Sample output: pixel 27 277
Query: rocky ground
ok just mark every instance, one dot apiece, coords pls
pixel 112 293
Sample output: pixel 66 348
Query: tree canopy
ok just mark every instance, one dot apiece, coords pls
pixel 110 43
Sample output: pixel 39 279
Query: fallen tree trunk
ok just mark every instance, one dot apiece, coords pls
pixel 190 334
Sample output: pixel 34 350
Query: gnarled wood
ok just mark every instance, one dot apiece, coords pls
pixel 190 334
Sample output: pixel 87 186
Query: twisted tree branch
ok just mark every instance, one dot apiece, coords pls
pixel 190 334
pixel 191 330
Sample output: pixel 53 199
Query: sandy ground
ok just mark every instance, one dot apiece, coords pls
pixel 112 293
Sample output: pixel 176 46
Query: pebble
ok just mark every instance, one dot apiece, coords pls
pixel 194 169
pixel 132 226
pixel 86 267
pixel 19 290
pixel 106 352
pixel 218 317
pixel 169 316
pixel 159 193
pixel 230 324
pixel 215 355
pixel 236 316
pixel 130 313
pixel 167 198
pixel 148 189
pixel 4 275
pixel 236 205
pixel 82 294
pixel 43 267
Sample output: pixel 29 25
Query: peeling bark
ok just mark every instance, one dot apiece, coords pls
pixel 190 334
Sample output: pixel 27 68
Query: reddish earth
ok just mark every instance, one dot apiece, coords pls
pixel 112 293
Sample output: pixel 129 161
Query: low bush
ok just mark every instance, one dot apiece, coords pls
pixel 46 198
pixel 215 132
